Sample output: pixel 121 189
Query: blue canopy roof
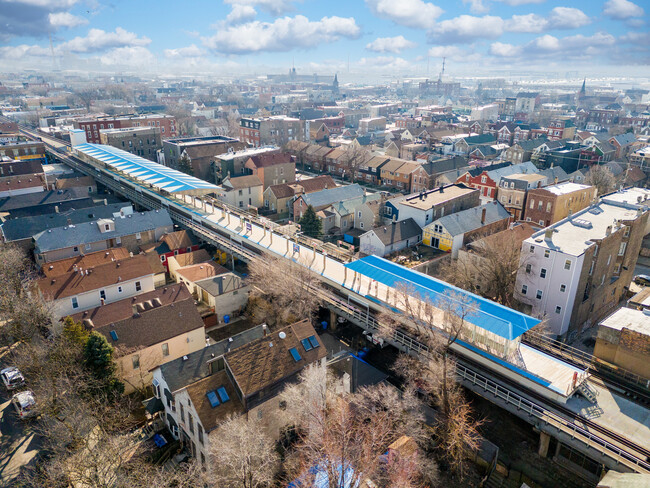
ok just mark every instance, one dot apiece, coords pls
pixel 491 316
pixel 155 174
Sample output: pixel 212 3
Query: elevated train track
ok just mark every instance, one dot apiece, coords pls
pixel 614 450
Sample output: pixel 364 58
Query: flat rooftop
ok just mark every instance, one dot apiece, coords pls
pixel 630 196
pixel 566 187
pixel 247 153
pixel 636 320
pixel 525 177
pixel 573 235
pixel 128 129
pixel 436 197
pixel 201 141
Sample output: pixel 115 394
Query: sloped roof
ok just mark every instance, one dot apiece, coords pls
pixel 241 182
pixel 554 172
pixel 480 139
pixel 469 220
pixel 497 171
pixel 73 283
pixel 283 190
pixel 397 231
pixel 488 315
pixel 88 232
pixel 142 169
pixel 311 185
pixel 266 361
pixel 332 195
pixel 531 144
pixel 346 207
pixel 27 227
pixel 266 160
pixel 90 260
pixel 625 138
pixel 201 271
pixel 194 257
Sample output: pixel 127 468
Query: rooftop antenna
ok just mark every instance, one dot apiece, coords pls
pixel 442 72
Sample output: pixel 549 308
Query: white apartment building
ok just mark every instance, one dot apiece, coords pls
pixel 577 270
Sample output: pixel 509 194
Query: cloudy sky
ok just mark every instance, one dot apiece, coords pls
pixel 374 36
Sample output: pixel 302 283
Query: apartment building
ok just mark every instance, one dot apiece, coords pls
pixel 512 191
pixel 276 130
pixel 578 269
pixel 425 207
pixel 141 141
pixel 545 206
pixel 93 125
pixel 199 153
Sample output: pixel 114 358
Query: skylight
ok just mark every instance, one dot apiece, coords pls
pixel 223 394
pixel 313 341
pixel 295 354
pixel 114 335
pixel 212 397
pixel 305 343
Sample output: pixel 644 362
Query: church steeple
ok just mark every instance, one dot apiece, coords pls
pixel 335 83
pixel 583 90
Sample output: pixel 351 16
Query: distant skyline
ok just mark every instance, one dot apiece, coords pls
pixel 376 37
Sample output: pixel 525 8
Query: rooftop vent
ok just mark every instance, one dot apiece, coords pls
pixel 585 224
pixel 184 358
pixel 282 335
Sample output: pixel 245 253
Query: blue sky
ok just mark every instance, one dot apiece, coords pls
pixel 387 37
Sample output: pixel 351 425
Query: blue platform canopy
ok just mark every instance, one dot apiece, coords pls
pixel 488 315
pixel 157 175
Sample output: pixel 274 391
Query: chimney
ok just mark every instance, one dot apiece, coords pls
pixel 548 234
pixel 483 212
pixel 134 307
pixel 265 330
pixel 56 209
pixel 609 230
pixel 105 201
pixel 555 180
pixel 102 301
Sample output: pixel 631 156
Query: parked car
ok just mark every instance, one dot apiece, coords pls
pixel 12 378
pixel 642 280
pixel 24 403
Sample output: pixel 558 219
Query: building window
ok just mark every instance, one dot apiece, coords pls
pixel 621 249
pixel 75 249
pixel 548 207
pixel 199 428
pixel 626 232
pixel 532 248
pixel 138 286
pixel 547 253
pixel 483 179
pixel 119 289
pixel 75 302
pixel 529 267
pixel 542 273
pixel 102 294
pixel 532 204
pixel 562 288
pixel 539 294
pixel 190 422
pixel 591 268
pixel 524 289
pixel 567 264
pixel 541 222
pixel 163 258
pixel 182 412
pixel 135 359
pixel 558 309
pixel 165 349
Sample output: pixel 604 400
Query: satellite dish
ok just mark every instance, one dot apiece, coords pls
pixel 282 335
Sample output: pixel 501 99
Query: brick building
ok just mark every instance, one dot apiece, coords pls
pixel 93 125
pixel 276 130
pixel 141 141
pixel 548 205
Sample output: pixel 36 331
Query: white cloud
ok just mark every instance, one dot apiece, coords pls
pixel 191 51
pixel 477 6
pixel 447 52
pixel 66 19
pixel 526 23
pixel 466 28
pixel 135 56
pixel 516 3
pixel 22 51
pixel 48 4
pixel 505 50
pixel 622 9
pixel 411 13
pixel 98 40
pixel 390 44
pixel 275 7
pixel 384 63
pixel 283 34
pixel 567 18
pixel 559 18
pixel 241 13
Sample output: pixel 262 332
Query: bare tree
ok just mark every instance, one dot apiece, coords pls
pixel 602 178
pixel 488 267
pixel 283 291
pixel 342 436
pixel 232 122
pixel 244 455
pixel 438 322
pixel 356 156
pixel 86 97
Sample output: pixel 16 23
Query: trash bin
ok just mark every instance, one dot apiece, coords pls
pixel 226 319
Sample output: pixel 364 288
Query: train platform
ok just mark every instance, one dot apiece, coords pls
pixel 615 413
